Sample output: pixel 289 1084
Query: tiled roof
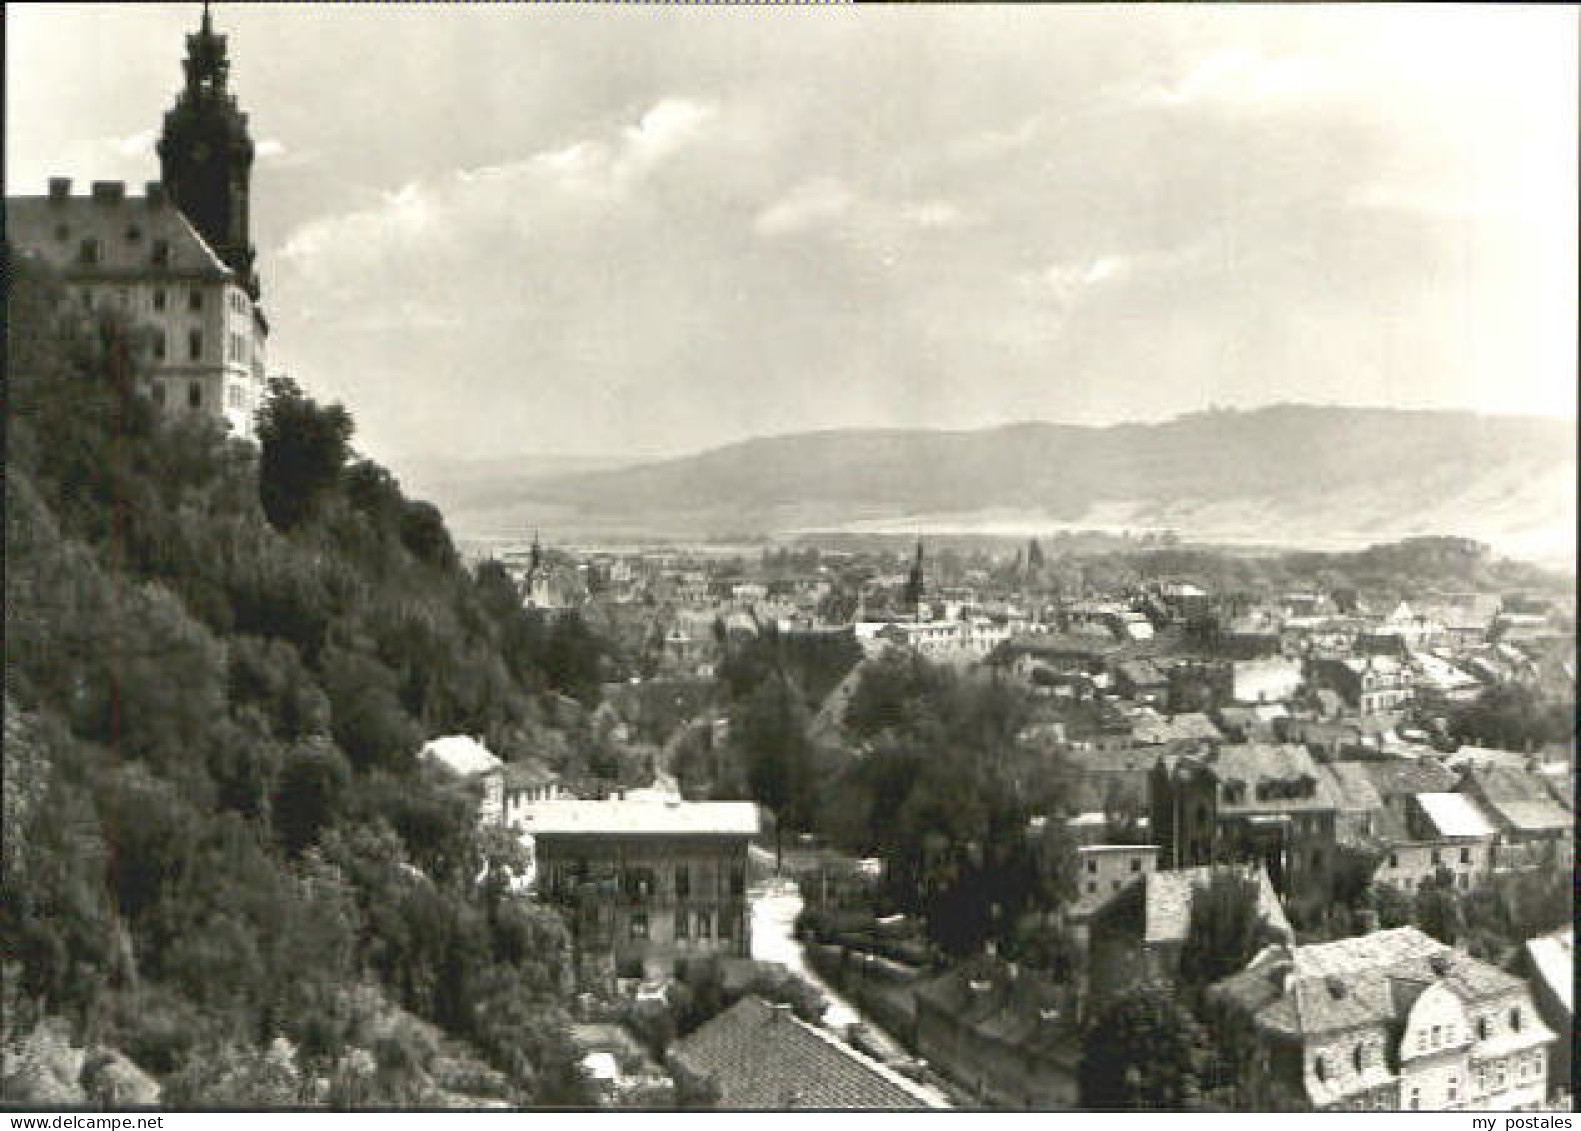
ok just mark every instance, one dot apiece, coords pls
pixel 1255 762
pixel 1353 789
pixel 1397 777
pixel 639 818
pixel 766 1058
pixel 1543 816
pixel 460 755
pixel 1168 896
pixel 1186 727
pixel 1505 782
pixel 1454 815
pixel 1003 1005
pixel 55 231
pixel 1357 981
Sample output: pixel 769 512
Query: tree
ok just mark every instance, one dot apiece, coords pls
pixel 303 448
pixel 1437 908
pixel 1226 929
pixel 770 729
pixel 311 791
pixel 1145 1052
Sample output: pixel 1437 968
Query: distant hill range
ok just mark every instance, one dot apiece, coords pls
pixel 1288 475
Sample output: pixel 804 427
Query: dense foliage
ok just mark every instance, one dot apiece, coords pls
pixel 222 857
pixel 1146 1052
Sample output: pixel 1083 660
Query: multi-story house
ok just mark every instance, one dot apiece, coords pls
pixel 1101 871
pixel 1371 684
pixel 1388 1021
pixel 1535 831
pixel 1255 801
pixel 647 883
pixel 1443 834
pixel 177 261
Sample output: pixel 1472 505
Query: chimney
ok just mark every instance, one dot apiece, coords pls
pixel 780 1011
pixel 109 192
pixel 155 192
pixel 59 189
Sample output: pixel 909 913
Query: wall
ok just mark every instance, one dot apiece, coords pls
pixel 643 924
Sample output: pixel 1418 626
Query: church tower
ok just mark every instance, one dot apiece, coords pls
pixel 206 155
pixel 913 592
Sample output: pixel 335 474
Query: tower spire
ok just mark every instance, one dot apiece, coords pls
pixel 206 153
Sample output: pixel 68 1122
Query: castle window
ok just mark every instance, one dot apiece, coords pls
pixel 1092 867
pixel 1320 1067
pixel 62 232
pixel 195 299
pixel 1437 859
pixel 1484 1028
pixel 727 927
pixel 1394 860
pixel 1359 1056
pixel 195 345
pixel 159 345
pixel 1438 1035
pixel 1465 856
pixel 1092 889
pixel 682 923
pixel 194 395
pixel 160 256
pixel 639 925
pixel 1416 1098
pixel 159 298
pixel 159 393
pixel 738 880
pixel 683 881
pixel 1515 1019
pixel 134 233
pixel 1136 865
pixel 705 925
pixel 88 252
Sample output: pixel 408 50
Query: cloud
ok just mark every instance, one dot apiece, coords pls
pixel 139 144
pixel 1238 76
pixel 471 208
pixel 816 203
pixel 933 214
pixel 828 204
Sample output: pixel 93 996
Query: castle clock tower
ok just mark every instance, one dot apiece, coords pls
pixel 206 155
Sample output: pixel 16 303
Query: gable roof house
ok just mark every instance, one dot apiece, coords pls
pixel 468 759
pixel 1391 1020
pixel 761 1056
pixel 1535 831
pixel 1548 963
pixel 1139 933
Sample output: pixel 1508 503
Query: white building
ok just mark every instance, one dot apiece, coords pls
pixel 140 256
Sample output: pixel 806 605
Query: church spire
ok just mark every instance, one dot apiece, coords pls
pixel 912 595
pixel 206 154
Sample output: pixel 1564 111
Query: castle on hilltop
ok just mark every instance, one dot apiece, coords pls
pixel 178 260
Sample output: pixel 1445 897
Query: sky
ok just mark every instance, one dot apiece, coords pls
pixel 497 229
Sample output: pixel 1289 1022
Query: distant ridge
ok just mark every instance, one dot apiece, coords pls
pixel 1284 475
